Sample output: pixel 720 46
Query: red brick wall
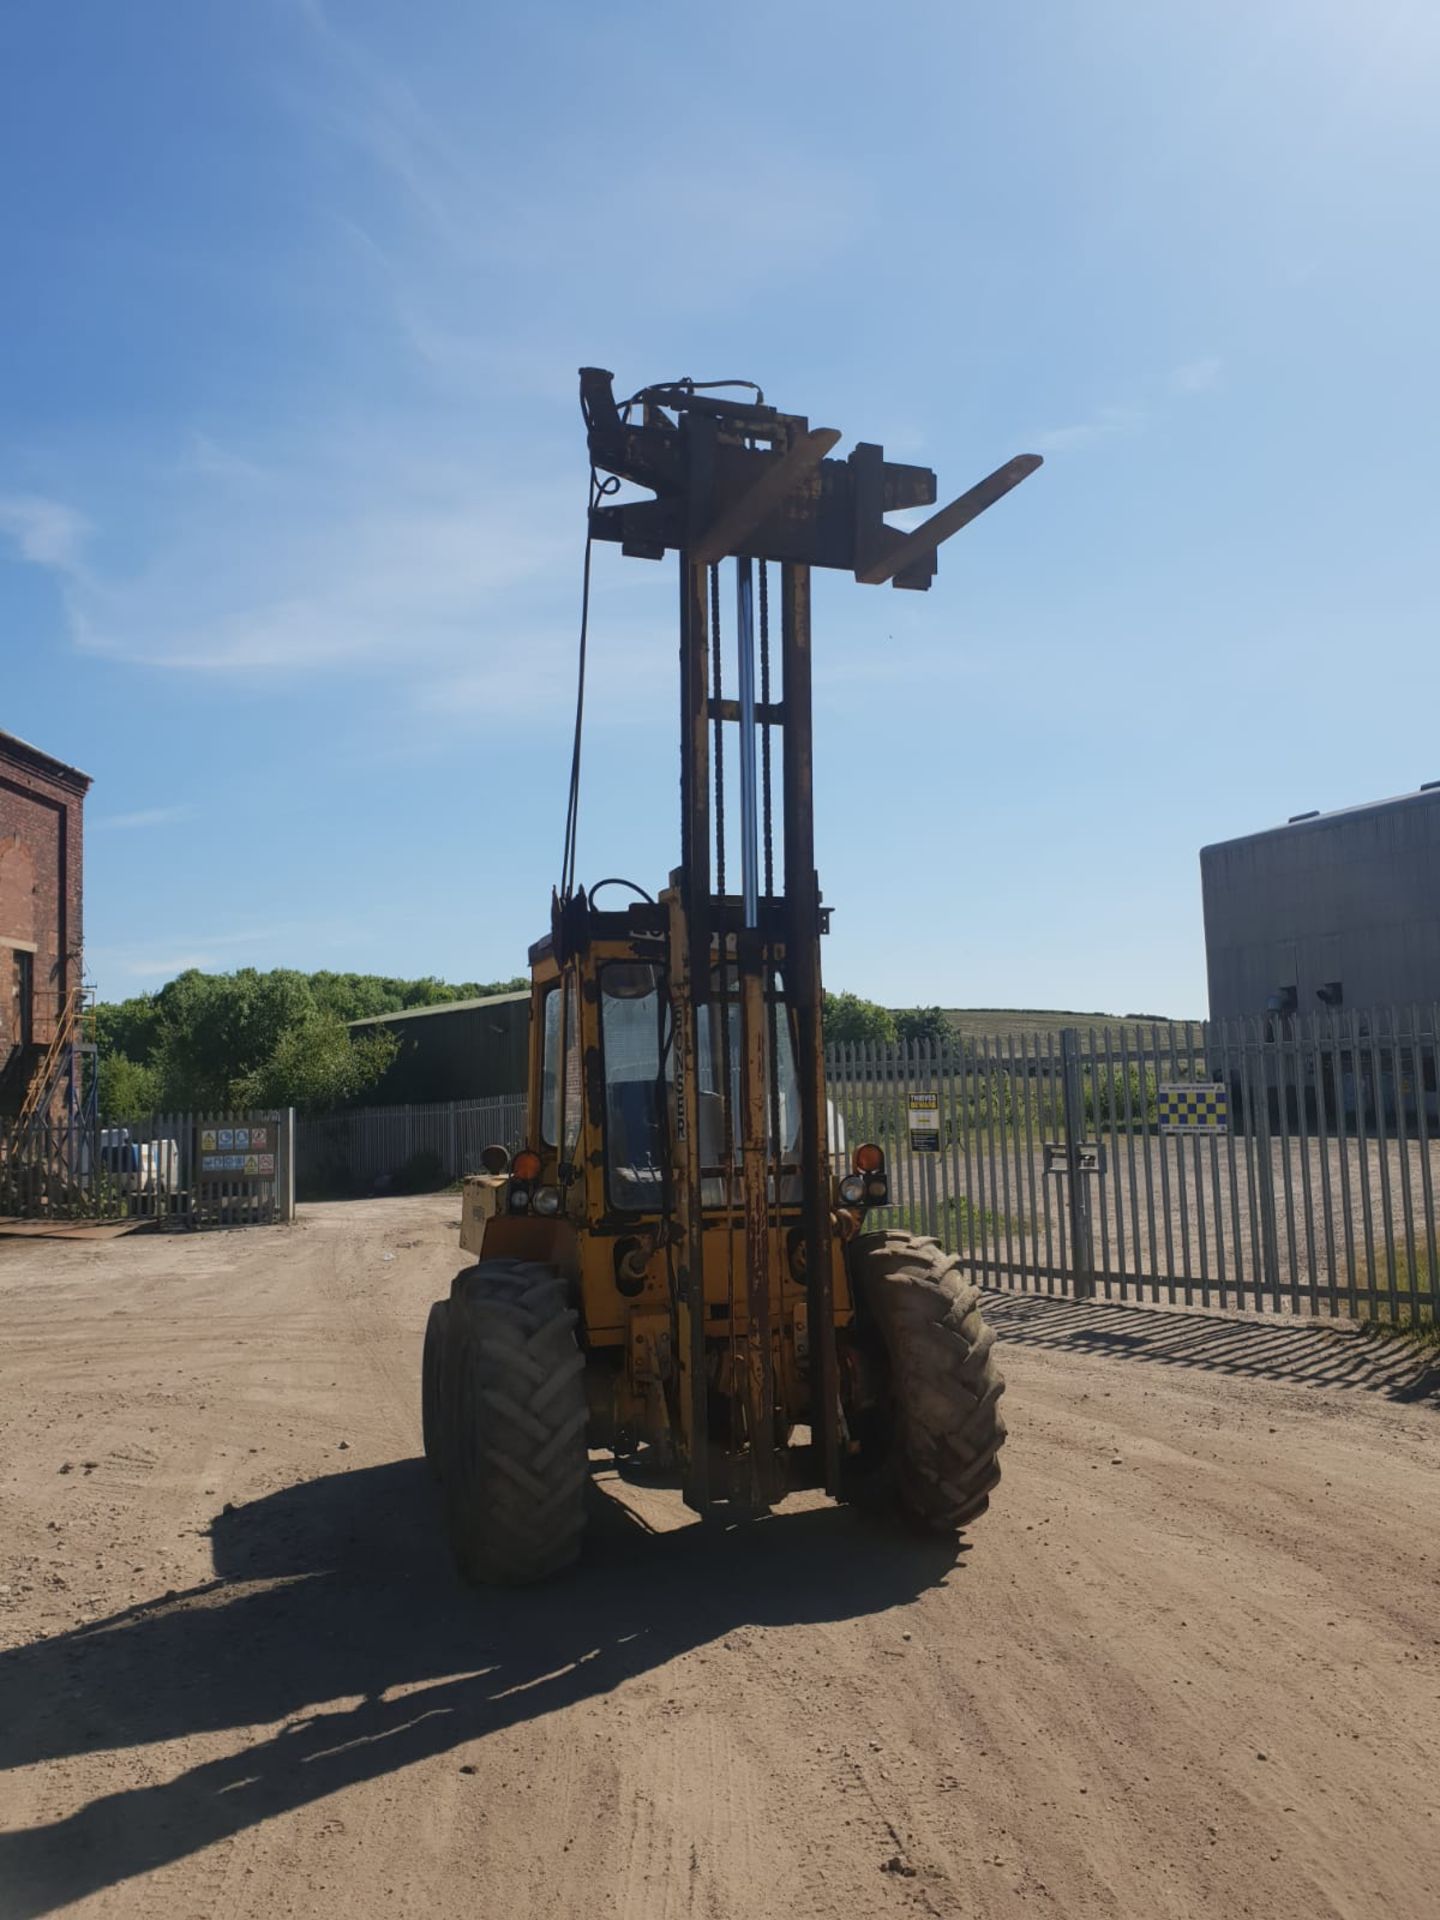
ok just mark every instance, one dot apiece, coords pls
pixel 41 848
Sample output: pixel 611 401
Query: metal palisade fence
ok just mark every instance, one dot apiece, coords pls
pixel 370 1149
pixel 1285 1165
pixel 178 1169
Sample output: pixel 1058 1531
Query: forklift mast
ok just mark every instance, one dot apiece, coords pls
pixel 736 480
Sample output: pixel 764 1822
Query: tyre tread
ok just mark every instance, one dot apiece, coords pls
pixel 515 1460
pixel 943 1462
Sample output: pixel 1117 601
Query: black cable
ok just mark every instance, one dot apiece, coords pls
pixel 598 489
pixel 686 385
pixel 614 880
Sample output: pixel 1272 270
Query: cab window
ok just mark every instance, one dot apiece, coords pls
pixel 635 1038
pixel 557 1128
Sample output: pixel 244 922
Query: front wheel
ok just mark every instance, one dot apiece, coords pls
pixel 513 1424
pixel 931 1446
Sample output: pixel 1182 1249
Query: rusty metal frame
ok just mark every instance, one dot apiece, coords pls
pixel 730 478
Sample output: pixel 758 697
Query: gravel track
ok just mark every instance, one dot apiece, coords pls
pixel 1189 1664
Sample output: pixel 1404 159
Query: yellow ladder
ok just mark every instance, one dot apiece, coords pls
pixel 42 1084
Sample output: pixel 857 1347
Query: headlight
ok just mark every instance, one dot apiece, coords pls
pixel 547 1200
pixel 852 1189
pixel 519 1200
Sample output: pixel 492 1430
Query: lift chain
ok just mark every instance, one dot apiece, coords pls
pixel 765 813
pixel 716 694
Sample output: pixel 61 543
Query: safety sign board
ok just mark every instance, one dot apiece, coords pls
pixel 248 1150
pixel 260 1166
pixel 256 1139
pixel 924 1123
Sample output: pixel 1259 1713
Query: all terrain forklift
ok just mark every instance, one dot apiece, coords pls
pixel 676 1266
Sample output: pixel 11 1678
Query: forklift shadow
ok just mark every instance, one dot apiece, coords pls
pixel 337 1625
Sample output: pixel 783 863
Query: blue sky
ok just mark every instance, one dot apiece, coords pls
pixel 292 472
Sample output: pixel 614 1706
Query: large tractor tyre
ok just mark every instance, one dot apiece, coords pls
pixel 514 1459
pixel 432 1383
pixel 932 1450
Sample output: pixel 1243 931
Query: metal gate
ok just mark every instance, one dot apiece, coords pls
pixel 179 1169
pixel 1284 1165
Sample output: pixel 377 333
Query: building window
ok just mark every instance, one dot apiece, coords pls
pixel 24 997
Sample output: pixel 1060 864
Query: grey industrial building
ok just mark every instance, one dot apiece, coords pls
pixel 1332 909
pixel 461 1050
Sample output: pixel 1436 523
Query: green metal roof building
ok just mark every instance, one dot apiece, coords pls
pixel 462 1050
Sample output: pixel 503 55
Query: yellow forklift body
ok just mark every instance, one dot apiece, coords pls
pixel 586 1240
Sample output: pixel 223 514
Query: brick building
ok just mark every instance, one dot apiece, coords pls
pixel 42 803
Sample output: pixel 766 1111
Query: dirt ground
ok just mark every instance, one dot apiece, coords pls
pixel 1188 1665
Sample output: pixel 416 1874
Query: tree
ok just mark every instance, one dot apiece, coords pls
pixel 207 1041
pixel 128 1026
pixel 921 1025
pixel 315 1064
pixel 355 996
pixel 128 1091
pixel 216 1029
pixel 848 1018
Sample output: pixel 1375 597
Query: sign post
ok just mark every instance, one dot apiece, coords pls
pixel 1082 1242
pixel 925 1141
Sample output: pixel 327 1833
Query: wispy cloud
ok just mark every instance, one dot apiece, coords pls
pixel 211 952
pixel 415 540
pixel 631 679
pixel 1106 423
pixel 456 587
pixel 200 958
pixel 448 230
pixel 390 550
pixel 213 461
pixel 145 817
pixel 46 532
pixel 392 594
pixel 1192 377
pixel 1198 376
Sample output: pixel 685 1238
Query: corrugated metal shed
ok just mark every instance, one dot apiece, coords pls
pixel 1347 900
pixel 463 1050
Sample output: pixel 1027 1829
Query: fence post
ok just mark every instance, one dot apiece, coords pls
pixel 924 1065
pixel 1265 1166
pixel 1077 1184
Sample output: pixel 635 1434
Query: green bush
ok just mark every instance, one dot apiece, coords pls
pixel 850 1020
pixel 128 1090
pixel 423 1172
pixel 925 1026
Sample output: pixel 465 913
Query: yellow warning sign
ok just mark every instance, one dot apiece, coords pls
pixel 1193 1108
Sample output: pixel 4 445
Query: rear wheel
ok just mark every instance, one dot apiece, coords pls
pixel 514 1459
pixel 432 1383
pixel 930 1448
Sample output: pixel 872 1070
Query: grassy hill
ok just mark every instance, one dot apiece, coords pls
pixel 974 1023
